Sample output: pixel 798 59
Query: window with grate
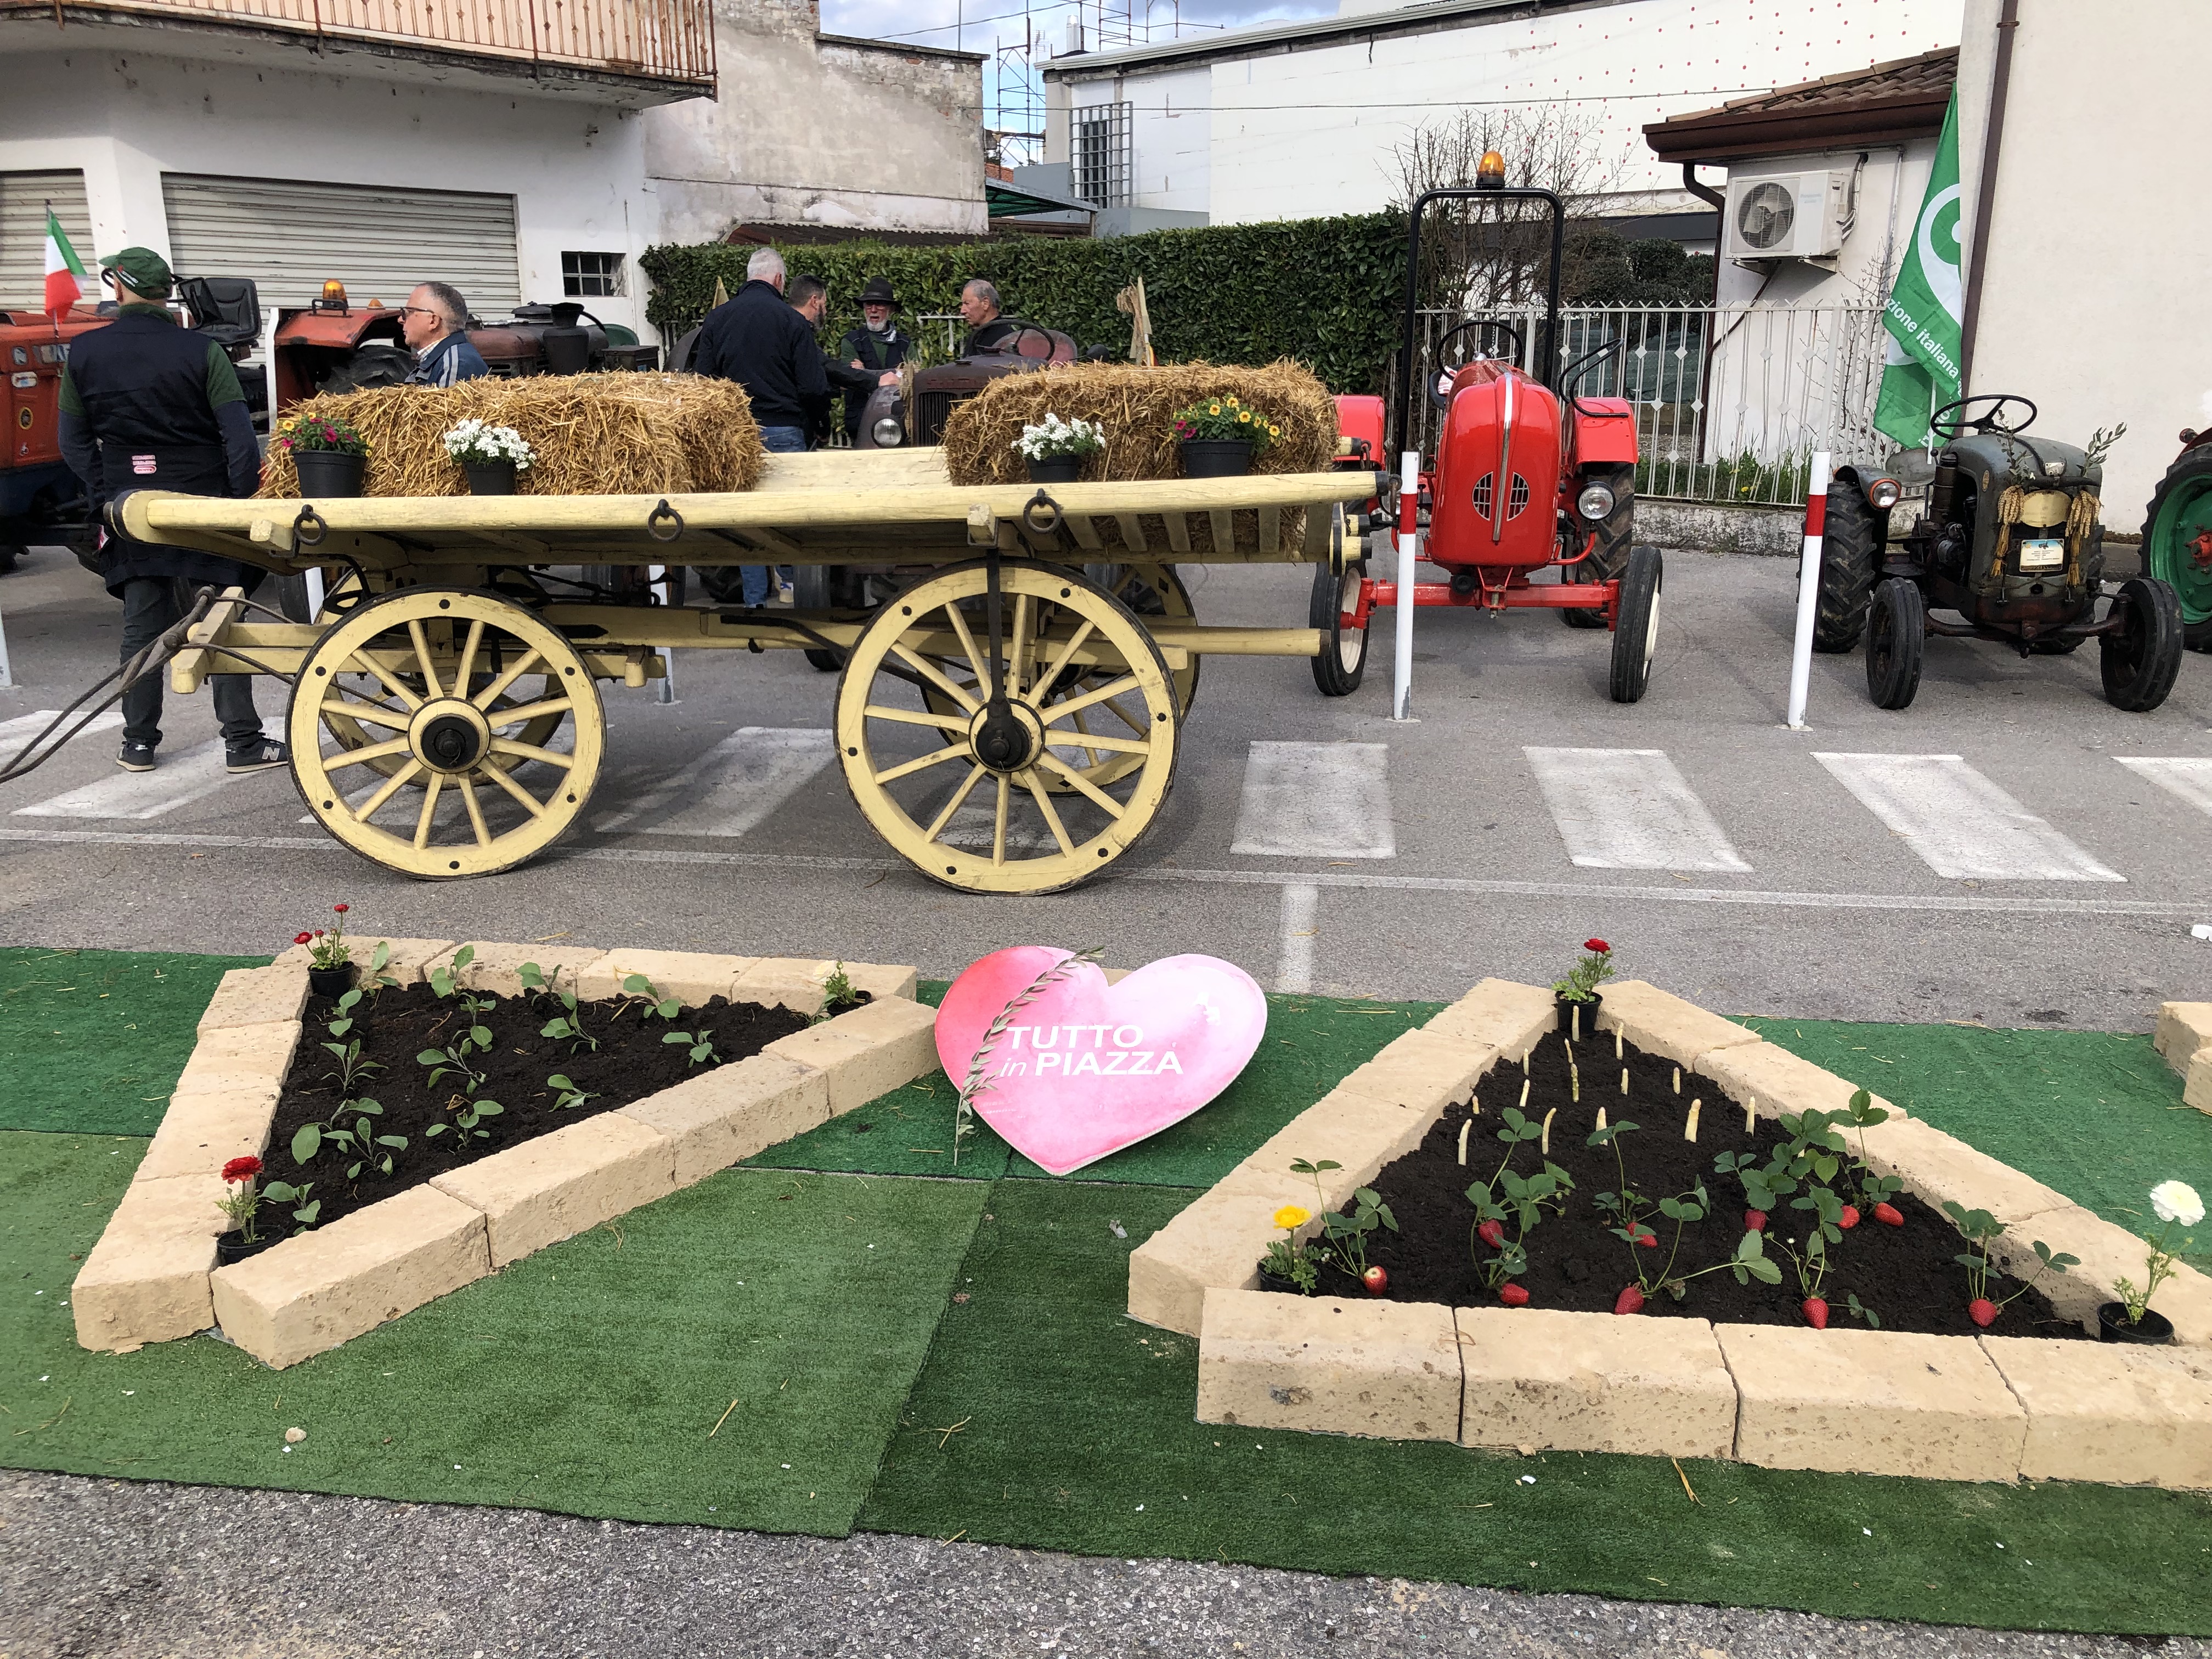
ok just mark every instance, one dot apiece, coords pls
pixel 591 276
pixel 1101 150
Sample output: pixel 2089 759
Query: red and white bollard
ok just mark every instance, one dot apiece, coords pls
pixel 1409 524
pixel 1808 589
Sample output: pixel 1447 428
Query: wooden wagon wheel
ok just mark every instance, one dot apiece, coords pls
pixel 967 797
pixel 432 669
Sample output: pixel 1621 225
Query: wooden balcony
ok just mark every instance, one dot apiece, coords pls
pixel 669 42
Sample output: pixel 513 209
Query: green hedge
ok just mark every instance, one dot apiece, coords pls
pixel 1327 292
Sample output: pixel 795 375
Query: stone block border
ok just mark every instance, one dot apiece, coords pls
pixel 153 1278
pixel 1872 1402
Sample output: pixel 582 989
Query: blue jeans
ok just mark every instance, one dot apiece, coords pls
pixel 777 440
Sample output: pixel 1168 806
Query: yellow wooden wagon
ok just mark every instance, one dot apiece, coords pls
pixel 1012 692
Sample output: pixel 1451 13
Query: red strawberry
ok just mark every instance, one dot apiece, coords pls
pixel 1376 1280
pixel 1889 1215
pixel 1645 1236
pixel 1631 1300
pixel 1492 1233
pixel 1849 1218
pixel 1982 1311
pixel 1816 1313
pixel 1754 1221
pixel 1512 1295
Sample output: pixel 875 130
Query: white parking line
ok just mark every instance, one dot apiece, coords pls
pixel 1295 962
pixel 1316 800
pixel 1629 809
pixel 1959 822
pixel 2186 777
pixel 731 787
pixel 178 780
pixel 16 734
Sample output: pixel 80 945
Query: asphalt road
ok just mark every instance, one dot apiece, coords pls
pixel 1827 909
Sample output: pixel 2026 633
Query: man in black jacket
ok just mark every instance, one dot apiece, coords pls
pixel 876 349
pixel 146 404
pixel 757 340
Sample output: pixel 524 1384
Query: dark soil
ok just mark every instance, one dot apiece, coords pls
pixel 631 1062
pixel 1905 1274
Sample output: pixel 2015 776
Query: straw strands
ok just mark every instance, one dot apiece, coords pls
pixel 622 433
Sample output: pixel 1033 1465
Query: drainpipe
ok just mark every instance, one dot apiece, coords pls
pixel 1985 192
pixel 1702 192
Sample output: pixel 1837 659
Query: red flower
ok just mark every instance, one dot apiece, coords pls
pixel 303 939
pixel 341 909
pixel 1598 946
pixel 242 1169
pixel 319 933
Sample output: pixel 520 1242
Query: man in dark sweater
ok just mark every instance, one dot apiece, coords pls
pixel 146 404
pixel 757 340
pixel 875 350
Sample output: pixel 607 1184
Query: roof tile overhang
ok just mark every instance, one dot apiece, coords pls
pixel 1885 104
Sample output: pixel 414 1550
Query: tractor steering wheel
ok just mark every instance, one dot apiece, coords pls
pixel 1440 377
pixel 1989 422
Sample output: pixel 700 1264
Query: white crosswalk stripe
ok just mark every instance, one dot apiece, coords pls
pixel 731 787
pixel 17 734
pixel 1316 800
pixel 1960 823
pixel 2185 777
pixel 1629 809
pixel 178 780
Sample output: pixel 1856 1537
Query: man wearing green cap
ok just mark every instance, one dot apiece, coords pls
pixel 146 404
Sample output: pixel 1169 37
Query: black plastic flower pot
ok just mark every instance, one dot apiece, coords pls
pixel 229 1247
pixel 1579 1019
pixel 2153 1330
pixel 490 477
pixel 332 983
pixel 1276 1282
pixel 1056 469
pixel 328 472
pixel 1215 458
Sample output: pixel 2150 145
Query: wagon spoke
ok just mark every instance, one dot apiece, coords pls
pixel 530 751
pixel 429 805
pixel 929 672
pixel 1106 693
pixel 935 757
pixel 475 813
pixel 1098 740
pixel 393 786
pixel 876 711
pixel 1051 816
pixel 374 752
pixel 369 664
pixel 527 711
pixel 530 803
pixel 422 657
pixel 999 823
pixel 368 714
pixel 976 664
pixel 1060 658
pixel 1128 719
pixel 1104 802
pixel 468 656
pixel 959 799
pixel 1017 652
pixel 492 693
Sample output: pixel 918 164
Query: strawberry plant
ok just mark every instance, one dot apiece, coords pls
pixel 1982 1230
pixel 1874 1191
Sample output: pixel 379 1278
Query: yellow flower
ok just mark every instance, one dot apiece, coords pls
pixel 1274 431
pixel 1230 400
pixel 1290 1216
pixel 1214 409
pixel 1244 416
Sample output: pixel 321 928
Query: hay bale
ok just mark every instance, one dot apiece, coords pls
pixel 624 434
pixel 1137 406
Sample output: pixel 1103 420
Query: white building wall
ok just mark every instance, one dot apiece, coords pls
pixel 1890 187
pixel 576 170
pixel 1170 135
pixel 1302 133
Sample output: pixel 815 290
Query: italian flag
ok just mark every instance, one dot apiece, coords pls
pixel 65 270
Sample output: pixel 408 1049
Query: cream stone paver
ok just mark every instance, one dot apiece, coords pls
pixel 554 1186
pixel 1422 1069
pixel 1357 1131
pixel 241 1057
pixel 327 1286
pixel 1578 1381
pixel 408 963
pixel 1660 1022
pixel 1935 1167
pixel 146 1280
pixel 875 1049
pixel 1388 1369
pixel 2107 1252
pixel 1872 1402
pixel 797 981
pixel 2184 1030
pixel 718 1117
pixel 692 977
pixel 1774 1081
pixel 498 967
pixel 2196 1086
pixel 1500 1014
pixel 2110 1411
pixel 200 1133
pixel 256 996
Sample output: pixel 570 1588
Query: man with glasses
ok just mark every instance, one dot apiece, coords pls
pixel 434 320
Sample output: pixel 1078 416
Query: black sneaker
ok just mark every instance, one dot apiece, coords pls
pixel 136 757
pixel 259 757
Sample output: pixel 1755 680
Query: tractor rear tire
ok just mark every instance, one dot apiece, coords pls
pixel 1636 625
pixel 2139 663
pixel 1896 643
pixel 1342 663
pixel 1610 557
pixel 2180 514
pixel 1850 558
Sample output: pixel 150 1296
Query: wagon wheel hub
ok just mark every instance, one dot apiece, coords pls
pixel 1007 736
pixel 449 736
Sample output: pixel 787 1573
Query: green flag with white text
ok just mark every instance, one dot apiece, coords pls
pixel 1920 369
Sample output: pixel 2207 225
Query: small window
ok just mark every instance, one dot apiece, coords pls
pixel 591 276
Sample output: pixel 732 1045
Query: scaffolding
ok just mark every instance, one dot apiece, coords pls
pixel 1013 94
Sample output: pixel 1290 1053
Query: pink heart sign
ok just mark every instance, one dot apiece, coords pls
pixel 1085 1068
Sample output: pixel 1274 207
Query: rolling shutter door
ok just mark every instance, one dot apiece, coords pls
pixel 24 199
pixel 291 235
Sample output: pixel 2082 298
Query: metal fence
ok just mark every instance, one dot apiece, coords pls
pixel 1730 401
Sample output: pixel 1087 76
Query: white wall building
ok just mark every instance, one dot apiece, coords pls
pixel 1295 120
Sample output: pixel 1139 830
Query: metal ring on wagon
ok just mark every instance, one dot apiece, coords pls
pixel 307 517
pixel 1041 514
pixel 662 514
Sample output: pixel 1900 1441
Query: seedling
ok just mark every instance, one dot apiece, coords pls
pixel 569 1026
pixel 370 1150
pixel 702 1043
pixel 468 1116
pixel 283 1191
pixel 638 986
pixel 351 1067
pixel 454 1058
pixel 569 1094
pixel 443 976
pixel 838 994
pixel 378 973
pixel 1860 1310
pixel 346 1004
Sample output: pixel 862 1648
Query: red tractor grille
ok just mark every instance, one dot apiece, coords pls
pixel 1516 498
pixel 1482 489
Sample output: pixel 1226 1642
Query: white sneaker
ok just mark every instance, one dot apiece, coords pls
pixel 785 593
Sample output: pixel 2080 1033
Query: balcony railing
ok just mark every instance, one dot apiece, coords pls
pixel 654 39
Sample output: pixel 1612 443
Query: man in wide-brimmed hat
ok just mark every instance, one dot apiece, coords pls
pixel 875 350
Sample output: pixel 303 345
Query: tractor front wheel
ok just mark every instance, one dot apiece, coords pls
pixel 1850 556
pixel 1896 643
pixel 1636 625
pixel 1609 557
pixel 2178 540
pixel 2139 662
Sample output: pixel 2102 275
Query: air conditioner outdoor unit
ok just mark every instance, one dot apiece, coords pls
pixel 1785 215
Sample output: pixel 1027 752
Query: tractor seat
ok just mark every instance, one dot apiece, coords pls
pixel 227 309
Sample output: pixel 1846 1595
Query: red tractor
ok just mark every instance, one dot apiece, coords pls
pixel 1528 476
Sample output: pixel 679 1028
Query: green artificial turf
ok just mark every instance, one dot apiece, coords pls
pixel 1077 1434
pixel 2095 1115
pixel 91 1042
pixel 586 1378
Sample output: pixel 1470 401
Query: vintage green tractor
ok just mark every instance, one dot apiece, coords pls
pixel 2009 543
pixel 2178 536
